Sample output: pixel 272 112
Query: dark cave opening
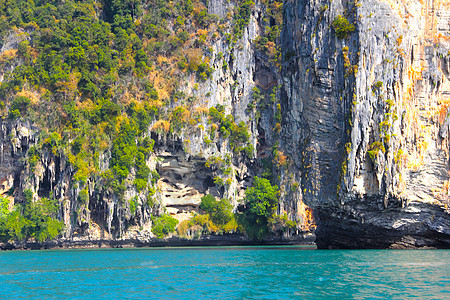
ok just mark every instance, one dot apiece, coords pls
pixel 272 22
pixel 99 209
pixel 16 183
pixel 24 146
pixel 45 186
pixel 57 169
pixel 209 182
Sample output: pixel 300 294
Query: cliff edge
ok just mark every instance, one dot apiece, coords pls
pixel 366 91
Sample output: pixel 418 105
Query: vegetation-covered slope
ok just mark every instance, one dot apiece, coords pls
pixel 100 81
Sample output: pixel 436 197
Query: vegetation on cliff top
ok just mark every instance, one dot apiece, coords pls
pixel 97 76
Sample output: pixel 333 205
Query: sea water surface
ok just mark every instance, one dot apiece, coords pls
pixel 225 272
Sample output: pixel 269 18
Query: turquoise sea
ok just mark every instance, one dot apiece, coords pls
pixel 225 272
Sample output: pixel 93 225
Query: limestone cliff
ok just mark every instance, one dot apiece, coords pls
pixel 192 153
pixel 346 112
pixel 366 119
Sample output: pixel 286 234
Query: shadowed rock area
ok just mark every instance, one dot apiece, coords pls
pixel 364 129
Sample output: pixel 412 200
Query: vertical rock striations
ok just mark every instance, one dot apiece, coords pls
pixel 144 119
pixel 365 96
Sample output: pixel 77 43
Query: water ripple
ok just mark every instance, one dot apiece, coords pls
pixel 234 273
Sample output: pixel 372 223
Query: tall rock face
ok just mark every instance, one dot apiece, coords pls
pixel 366 87
pixel 189 107
pixel 346 112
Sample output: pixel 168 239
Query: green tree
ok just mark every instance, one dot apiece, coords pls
pixel 4 203
pixel 163 225
pixel 220 211
pixel 19 106
pixel 261 201
pixel 142 172
pixel 31 220
pixel 16 226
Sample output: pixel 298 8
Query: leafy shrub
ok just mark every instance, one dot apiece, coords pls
pixel 281 223
pixel 179 118
pixel 19 107
pixel 242 17
pixel 260 200
pixel 142 171
pixel 217 113
pixel 133 204
pixel 342 27
pixel 33 157
pixel 220 212
pixel 200 224
pixel 377 85
pixel 31 220
pixel 375 148
pixel 237 133
pixel 4 204
pixel 83 196
pixel 124 150
pixel 163 225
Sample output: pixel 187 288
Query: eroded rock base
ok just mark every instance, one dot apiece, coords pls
pixel 416 226
pixel 306 239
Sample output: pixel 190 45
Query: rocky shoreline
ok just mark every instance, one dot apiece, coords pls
pixel 207 240
pixel 357 226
